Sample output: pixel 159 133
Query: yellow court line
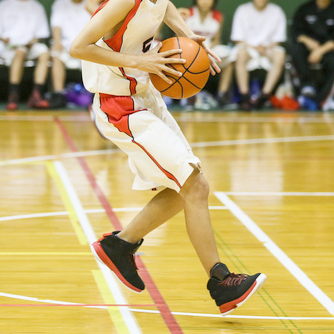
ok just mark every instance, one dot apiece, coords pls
pixel 114 312
pixel 67 203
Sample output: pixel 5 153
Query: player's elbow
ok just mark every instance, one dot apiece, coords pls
pixel 75 50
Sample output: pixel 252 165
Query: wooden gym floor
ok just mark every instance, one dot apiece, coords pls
pixel 272 207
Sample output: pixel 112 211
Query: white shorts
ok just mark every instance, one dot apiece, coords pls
pixel 31 53
pixel 224 52
pixel 142 127
pixel 69 62
pixel 257 61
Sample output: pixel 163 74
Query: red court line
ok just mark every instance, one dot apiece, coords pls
pixel 153 290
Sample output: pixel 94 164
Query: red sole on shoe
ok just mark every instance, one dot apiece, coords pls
pixel 230 306
pixel 102 257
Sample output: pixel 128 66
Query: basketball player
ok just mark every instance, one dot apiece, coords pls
pixel 115 47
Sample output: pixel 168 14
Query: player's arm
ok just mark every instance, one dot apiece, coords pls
pixel 107 20
pixel 56 37
pixel 175 21
pixel 92 5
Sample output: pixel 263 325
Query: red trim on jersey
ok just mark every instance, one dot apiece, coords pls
pixel 191 11
pixel 100 7
pixel 217 15
pixel 133 81
pixel 118 110
pixel 116 41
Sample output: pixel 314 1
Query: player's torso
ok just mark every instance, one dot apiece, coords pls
pixel 135 36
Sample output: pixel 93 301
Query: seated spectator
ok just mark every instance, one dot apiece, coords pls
pixel 258 29
pixel 312 33
pixel 68 17
pixel 22 24
pixel 207 21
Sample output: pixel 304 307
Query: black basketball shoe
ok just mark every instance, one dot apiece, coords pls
pixel 117 255
pixel 231 290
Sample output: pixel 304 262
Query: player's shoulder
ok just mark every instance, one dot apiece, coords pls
pixel 36 5
pixel 59 3
pixel 217 15
pixel 111 4
pixel 275 9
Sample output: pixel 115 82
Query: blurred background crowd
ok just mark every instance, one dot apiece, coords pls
pixel 275 54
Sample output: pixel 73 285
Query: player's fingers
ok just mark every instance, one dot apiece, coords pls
pixel 171 71
pixel 169 53
pixel 212 54
pixel 164 77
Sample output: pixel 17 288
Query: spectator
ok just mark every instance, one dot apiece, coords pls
pixel 68 17
pixel 258 29
pixel 22 24
pixel 312 35
pixel 207 21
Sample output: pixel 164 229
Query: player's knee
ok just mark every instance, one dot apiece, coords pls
pixel 242 57
pixel 196 188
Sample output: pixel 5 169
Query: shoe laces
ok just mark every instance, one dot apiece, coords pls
pixel 233 280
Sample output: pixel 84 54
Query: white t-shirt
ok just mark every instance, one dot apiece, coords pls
pixel 256 27
pixel 70 17
pixel 208 28
pixel 23 20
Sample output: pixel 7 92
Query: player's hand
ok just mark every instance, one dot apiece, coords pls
pixel 156 62
pixel 214 67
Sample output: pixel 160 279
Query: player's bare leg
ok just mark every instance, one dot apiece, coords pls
pixel 242 73
pixel 15 77
pixel 16 68
pixel 41 69
pixel 277 58
pixel 163 206
pixel 58 74
pixel 195 194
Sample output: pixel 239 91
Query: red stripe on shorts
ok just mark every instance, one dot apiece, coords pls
pixel 118 109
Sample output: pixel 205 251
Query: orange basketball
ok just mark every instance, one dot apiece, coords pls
pixel 196 69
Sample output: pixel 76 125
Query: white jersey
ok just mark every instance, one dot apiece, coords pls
pixel 134 37
pixel 22 21
pixel 208 28
pixel 256 27
pixel 70 17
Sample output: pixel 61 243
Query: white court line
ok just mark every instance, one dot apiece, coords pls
pixel 240 119
pixel 65 213
pixel 59 156
pixel 301 277
pixel 262 141
pixel 287 118
pixel 129 319
pixel 293 193
pixel 205 315
pixel 194 145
